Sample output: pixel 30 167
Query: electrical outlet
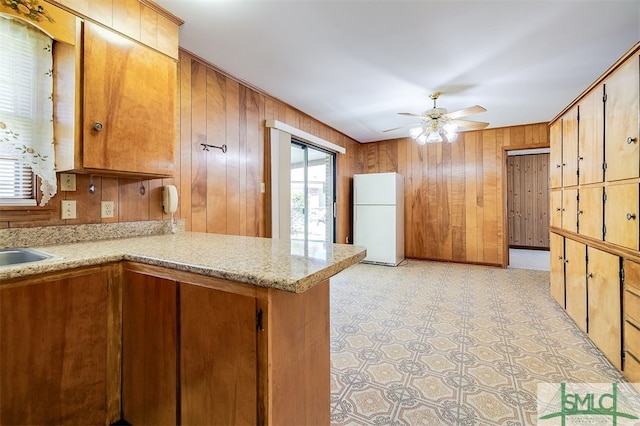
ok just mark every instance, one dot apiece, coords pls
pixel 107 209
pixel 67 182
pixel 69 209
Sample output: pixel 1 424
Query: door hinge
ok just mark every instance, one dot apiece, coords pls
pixel 259 320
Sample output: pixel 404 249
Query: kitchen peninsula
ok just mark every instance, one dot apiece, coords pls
pixel 169 329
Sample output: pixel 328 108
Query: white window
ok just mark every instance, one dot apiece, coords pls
pixel 26 113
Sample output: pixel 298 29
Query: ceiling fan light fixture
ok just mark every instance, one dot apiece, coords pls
pixel 434 136
pixel 422 138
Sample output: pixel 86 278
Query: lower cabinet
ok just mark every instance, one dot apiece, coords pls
pixel 575 282
pixel 631 300
pixel 58 342
pixel 589 286
pixel 202 350
pixel 556 251
pixel 603 284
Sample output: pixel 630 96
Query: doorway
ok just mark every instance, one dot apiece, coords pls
pixel 528 208
pixel 312 197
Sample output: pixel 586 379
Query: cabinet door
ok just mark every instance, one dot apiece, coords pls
pixel 218 357
pixel 555 156
pixel 570 210
pixel 556 253
pixel 590 212
pixel 576 285
pixel 603 281
pixel 621 122
pixel 131 91
pixel 556 208
pixel 149 350
pixel 53 351
pixel 631 324
pixel 621 215
pixel 591 137
pixel 570 147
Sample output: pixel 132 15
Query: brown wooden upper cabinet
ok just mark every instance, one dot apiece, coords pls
pixel 570 147
pixel 555 156
pixel 622 155
pixel 591 137
pixel 621 215
pixel 590 212
pixel 129 95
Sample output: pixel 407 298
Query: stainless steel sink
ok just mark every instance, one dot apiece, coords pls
pixel 15 256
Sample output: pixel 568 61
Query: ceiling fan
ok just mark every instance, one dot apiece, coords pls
pixel 437 121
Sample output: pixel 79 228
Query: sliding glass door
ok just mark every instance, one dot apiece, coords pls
pixel 312 196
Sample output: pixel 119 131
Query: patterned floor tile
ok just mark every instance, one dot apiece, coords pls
pixel 432 343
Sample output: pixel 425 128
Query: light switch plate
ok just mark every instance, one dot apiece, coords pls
pixel 69 209
pixel 67 182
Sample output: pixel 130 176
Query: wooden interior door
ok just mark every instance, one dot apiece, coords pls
pixel 590 212
pixel 149 350
pixel 621 118
pixel 570 147
pixel 603 280
pixel 218 357
pixel 591 137
pixel 570 209
pixel 131 91
pixel 576 285
pixel 555 159
pixel 622 215
pixel 556 251
pixel 528 200
pixel 53 350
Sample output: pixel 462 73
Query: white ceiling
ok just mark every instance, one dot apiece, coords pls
pixel 354 64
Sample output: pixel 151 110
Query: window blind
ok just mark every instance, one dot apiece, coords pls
pixel 16 183
pixel 26 123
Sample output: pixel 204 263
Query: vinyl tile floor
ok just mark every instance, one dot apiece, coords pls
pixel 430 343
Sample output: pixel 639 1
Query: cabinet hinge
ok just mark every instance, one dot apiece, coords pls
pixel 578 197
pixel 604 230
pixel 604 197
pixel 623 355
pixel 604 166
pixel 621 275
pixel 259 320
pixel 604 98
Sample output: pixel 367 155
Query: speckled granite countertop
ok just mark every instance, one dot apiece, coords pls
pixel 264 262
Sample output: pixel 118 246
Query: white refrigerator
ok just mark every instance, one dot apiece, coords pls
pixel 378 216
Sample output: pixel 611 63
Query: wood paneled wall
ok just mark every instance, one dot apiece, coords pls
pixel 219 193
pixel 454 192
pixel 528 200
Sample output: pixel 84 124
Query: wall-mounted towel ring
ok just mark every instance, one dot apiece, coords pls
pixel 205 147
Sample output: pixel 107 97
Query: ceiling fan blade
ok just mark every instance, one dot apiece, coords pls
pixel 403 127
pixel 476 109
pixel 411 114
pixel 471 125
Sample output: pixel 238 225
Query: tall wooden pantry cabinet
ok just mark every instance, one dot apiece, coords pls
pixel 595 212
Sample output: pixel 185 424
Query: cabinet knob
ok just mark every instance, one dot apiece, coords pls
pixel 631 140
pixel 580 158
pixel 559 257
pixel 580 212
pixel 97 126
pixel 631 216
pixel 558 166
pixel 558 209
pixel 590 275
